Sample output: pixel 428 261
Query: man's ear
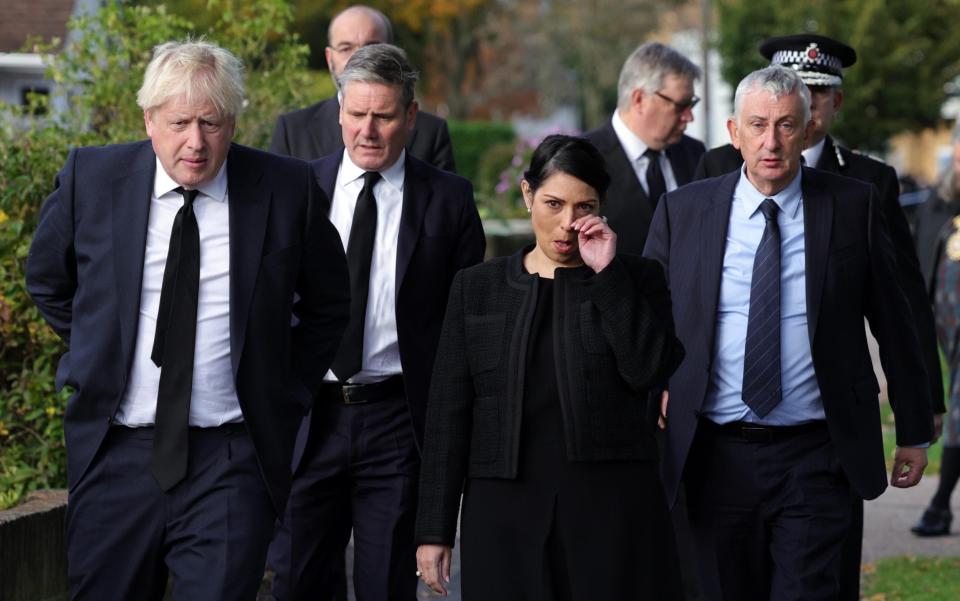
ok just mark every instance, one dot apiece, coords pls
pixel 734 133
pixel 837 99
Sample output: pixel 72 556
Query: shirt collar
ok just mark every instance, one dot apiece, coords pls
pixel 632 144
pixel 215 188
pixel 812 154
pixel 392 175
pixel 787 199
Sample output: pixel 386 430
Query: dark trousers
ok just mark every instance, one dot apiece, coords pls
pixel 359 472
pixel 769 518
pixel 211 531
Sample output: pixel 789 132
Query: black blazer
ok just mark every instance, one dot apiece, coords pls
pixel 314 132
pixel 932 216
pixel 86 266
pixel 440 233
pixel 627 207
pixel 615 340
pixel 849 276
pixel 839 160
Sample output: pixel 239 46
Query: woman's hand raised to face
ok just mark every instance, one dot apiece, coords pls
pixel 598 243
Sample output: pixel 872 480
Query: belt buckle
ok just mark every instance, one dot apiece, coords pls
pixel 345 395
pixel 756 433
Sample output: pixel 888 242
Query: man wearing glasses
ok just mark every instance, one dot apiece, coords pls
pixel 644 145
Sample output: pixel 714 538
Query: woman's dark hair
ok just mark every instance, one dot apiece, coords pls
pixel 574 156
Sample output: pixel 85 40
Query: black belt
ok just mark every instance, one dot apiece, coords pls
pixel 760 433
pixel 356 394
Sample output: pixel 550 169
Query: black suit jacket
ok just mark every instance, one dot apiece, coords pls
pixel 440 233
pixel 627 207
pixel 932 217
pixel 86 266
pixel 836 159
pixel 849 275
pixel 314 132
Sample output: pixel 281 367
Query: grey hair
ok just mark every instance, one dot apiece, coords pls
pixel 372 12
pixel 381 63
pixel 775 80
pixel 648 66
pixel 199 71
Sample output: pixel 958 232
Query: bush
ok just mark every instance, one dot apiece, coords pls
pixel 471 140
pixel 97 76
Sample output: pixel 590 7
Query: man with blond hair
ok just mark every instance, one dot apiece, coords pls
pixel 173 268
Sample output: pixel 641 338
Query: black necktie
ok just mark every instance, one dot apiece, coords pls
pixel 173 345
pixel 656 185
pixel 761 360
pixel 363 232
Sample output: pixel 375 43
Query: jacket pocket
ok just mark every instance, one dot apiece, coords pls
pixel 484 340
pixel 485 432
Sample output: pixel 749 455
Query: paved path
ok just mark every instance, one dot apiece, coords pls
pixel 887 521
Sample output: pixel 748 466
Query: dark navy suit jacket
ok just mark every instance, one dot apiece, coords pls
pixel 85 270
pixel 850 274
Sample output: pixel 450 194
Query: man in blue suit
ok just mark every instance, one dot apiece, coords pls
pixel 408 228
pixel 173 269
pixel 772 422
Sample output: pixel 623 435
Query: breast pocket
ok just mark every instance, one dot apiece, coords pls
pixel 484 340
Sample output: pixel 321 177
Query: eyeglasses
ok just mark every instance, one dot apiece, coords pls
pixel 680 106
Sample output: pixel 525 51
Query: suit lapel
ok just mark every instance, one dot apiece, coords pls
pixel 817 223
pixel 714 223
pixel 325 171
pixel 249 208
pixel 131 209
pixel 417 194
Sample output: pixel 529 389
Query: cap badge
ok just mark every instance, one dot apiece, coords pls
pixel 812 51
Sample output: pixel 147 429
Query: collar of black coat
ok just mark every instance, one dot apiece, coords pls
pixel 517 274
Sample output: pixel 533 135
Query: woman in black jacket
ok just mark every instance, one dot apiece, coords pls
pixel 538 408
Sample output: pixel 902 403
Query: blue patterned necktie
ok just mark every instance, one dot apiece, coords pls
pixel 761 360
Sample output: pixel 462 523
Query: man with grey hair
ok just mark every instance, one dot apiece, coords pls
pixel 772 422
pixel 408 228
pixel 173 269
pixel 314 132
pixel 644 144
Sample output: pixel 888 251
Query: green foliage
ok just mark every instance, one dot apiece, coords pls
pixel 97 76
pixel 907 51
pixel 471 141
pixel 912 579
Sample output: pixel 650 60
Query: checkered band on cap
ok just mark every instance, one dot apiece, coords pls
pixel 811 56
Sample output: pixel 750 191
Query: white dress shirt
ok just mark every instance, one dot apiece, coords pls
pixel 811 156
pixel 634 149
pixel 381 351
pixel 214 398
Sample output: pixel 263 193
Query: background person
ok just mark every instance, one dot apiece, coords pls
pixel 538 400
pixel 644 145
pixel 314 132
pixel 938 246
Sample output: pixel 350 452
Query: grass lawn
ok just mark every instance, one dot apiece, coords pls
pixel 912 579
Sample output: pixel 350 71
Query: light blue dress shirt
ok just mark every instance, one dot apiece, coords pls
pixel 801 401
